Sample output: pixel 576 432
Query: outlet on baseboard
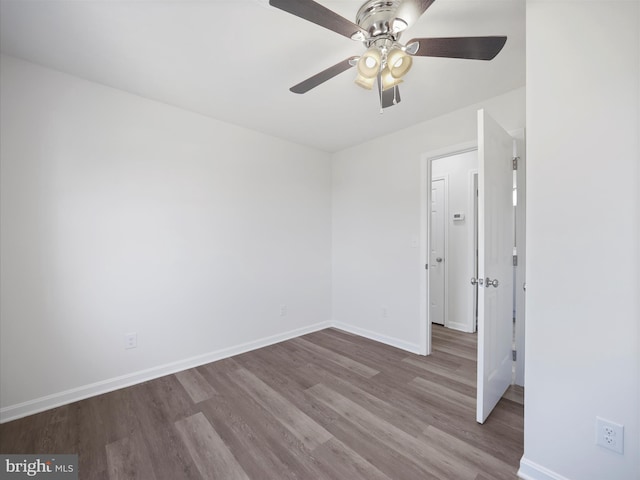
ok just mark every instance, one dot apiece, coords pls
pixel 283 310
pixel 130 340
pixel 610 435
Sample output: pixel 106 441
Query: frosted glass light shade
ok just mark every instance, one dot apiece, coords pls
pixel 363 82
pixel 388 80
pixel 399 62
pixel 369 63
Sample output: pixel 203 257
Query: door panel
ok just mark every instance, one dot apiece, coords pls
pixel 437 259
pixel 495 254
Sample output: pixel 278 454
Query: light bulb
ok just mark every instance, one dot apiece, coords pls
pixel 388 80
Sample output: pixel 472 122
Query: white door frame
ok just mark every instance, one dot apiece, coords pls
pixel 521 214
pixel 425 227
pixel 425 216
pixel 445 246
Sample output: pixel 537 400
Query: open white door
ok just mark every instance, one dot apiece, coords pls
pixel 495 263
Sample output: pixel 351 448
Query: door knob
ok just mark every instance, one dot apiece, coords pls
pixel 439 259
pixel 492 283
pixel 474 281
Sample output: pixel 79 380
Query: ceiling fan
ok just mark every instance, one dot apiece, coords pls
pixel 379 24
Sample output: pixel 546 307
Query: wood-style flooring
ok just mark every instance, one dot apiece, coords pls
pixel 328 405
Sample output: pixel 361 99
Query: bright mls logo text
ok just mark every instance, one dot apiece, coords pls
pixel 40 466
pixel 30 468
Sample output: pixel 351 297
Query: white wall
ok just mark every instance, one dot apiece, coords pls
pixel 583 238
pixel 376 221
pixel 459 262
pixel 120 214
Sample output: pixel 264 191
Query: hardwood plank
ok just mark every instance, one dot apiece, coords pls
pixel 89 423
pixel 447 394
pixel 437 463
pixel 474 457
pixel 290 381
pixel 468 353
pixel 195 385
pixel 378 403
pixel 208 451
pixel 375 355
pixel 286 457
pixel 159 404
pixel 336 358
pixel 282 368
pixel 305 429
pixel 462 376
pixel 515 393
pixel 374 450
pixel 258 453
pixel 128 459
pixel 315 365
pixel 46 432
pixel 344 463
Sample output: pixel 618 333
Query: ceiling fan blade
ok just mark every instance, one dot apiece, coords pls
pixel 389 97
pixel 316 13
pixel 475 48
pixel 323 76
pixel 411 10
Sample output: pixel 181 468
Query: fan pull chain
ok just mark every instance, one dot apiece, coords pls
pixel 380 93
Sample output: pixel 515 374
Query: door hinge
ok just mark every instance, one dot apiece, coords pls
pixel 514 354
pixel 515 162
pixel 426 266
pixel 515 260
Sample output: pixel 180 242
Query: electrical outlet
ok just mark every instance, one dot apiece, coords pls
pixel 385 312
pixel 130 340
pixel 283 310
pixel 610 435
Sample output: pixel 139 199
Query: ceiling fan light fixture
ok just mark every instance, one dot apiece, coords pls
pixel 369 63
pixel 388 80
pixel 366 83
pixel 399 63
pixel 379 24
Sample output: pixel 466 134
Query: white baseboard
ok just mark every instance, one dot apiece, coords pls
pixel 394 342
pixel 532 471
pixel 459 326
pixel 13 412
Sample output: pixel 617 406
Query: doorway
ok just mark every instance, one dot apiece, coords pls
pixel 452 256
pixel 428 174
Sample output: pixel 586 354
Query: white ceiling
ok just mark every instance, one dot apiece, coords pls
pixel 235 60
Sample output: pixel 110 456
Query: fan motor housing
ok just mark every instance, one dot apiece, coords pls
pixel 377 16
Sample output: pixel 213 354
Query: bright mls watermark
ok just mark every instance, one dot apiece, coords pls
pixel 50 467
